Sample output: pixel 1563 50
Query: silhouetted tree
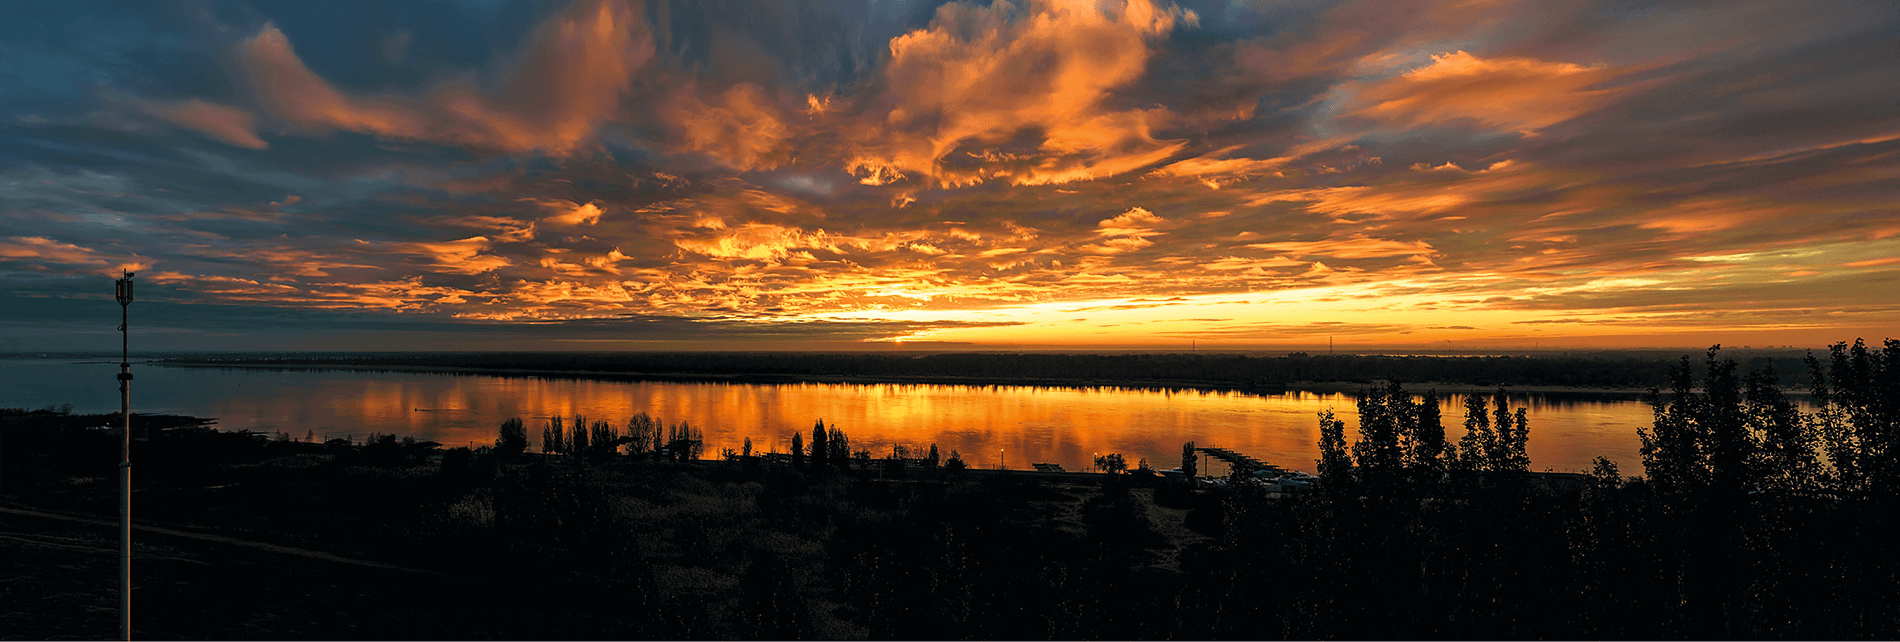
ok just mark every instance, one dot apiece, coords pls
pixel 838 448
pixel 1480 443
pixel 685 442
pixel 955 462
pixel 933 455
pixel 746 450
pixel 820 449
pixel 1429 448
pixel 1387 419
pixel 1111 463
pixel 1513 436
pixel 642 434
pixel 556 441
pixel 798 450
pixel 1701 455
pixel 1190 461
pixel 577 444
pixel 512 440
pixel 1788 459
pixel 1700 447
pixel 1858 416
pixel 1335 462
pixel 602 444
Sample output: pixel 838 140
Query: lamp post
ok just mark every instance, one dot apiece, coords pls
pixel 123 291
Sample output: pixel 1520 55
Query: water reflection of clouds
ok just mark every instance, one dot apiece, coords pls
pixel 1057 425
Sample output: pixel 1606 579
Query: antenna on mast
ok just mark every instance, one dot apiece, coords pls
pixel 122 290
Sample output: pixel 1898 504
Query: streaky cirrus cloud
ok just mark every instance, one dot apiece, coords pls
pixel 571 77
pixel 1512 94
pixel 223 122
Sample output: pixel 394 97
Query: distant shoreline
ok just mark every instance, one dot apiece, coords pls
pixel 1299 386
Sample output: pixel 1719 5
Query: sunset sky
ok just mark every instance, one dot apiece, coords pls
pixel 613 175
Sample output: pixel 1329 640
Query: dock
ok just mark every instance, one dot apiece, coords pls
pixel 1239 462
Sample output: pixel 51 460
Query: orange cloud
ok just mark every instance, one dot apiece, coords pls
pixel 740 127
pixel 1513 94
pixel 1450 188
pixel 978 76
pixel 1226 263
pixel 1135 222
pixel 575 70
pixel 228 124
pixel 455 257
pixel 501 228
pixel 45 250
pixel 1117 245
pixel 1711 215
pixel 569 213
pixel 284 261
pixel 1355 247
pixel 756 241
pixel 1215 172
pixel 1874 262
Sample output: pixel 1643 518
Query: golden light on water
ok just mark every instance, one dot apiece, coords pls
pixel 1033 425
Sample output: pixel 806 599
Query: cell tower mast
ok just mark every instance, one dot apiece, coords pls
pixel 123 292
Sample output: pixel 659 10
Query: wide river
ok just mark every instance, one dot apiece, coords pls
pixel 990 425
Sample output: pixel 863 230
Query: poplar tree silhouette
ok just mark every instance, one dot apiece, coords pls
pixel 1429 449
pixel 1335 462
pixel 820 448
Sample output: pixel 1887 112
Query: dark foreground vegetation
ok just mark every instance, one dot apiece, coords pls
pixel 1615 370
pixel 1753 520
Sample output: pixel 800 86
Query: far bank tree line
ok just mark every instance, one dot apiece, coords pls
pixel 1609 370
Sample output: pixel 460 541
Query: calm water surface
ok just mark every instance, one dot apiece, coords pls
pixel 987 424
